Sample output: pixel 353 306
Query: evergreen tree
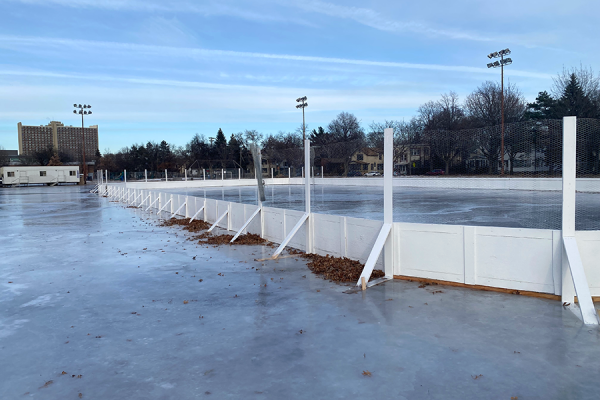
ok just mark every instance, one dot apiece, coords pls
pixel 574 101
pixel 544 107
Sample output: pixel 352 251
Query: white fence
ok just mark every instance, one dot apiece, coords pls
pixel 510 258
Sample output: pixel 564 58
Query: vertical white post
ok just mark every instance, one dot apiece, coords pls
pixel 321 172
pixel 289 172
pixel 222 174
pixel 185 171
pixel 271 173
pixel 146 175
pixel 203 174
pixel 166 177
pixel 303 172
pixel 388 199
pixel 125 177
pixel 307 197
pixel 106 172
pixel 239 174
pixel 312 171
pixel 568 206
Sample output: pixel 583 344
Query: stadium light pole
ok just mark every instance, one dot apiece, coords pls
pixel 81 109
pixel 303 104
pixel 503 61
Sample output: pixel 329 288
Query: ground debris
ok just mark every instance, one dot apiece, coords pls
pixel 196 225
pixel 338 269
pixel 366 373
pixel 216 240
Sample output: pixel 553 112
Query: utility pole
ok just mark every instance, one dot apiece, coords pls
pixel 503 61
pixel 83 112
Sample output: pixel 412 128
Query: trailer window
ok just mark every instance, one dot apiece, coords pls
pixel 11 174
pixel 72 173
pixel 42 173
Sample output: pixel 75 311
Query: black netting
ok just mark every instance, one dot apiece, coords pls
pixel 587 210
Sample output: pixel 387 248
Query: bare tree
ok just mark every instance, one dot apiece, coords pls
pixel 442 121
pixel 483 106
pixel 347 135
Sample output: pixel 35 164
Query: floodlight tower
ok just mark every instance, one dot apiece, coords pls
pixel 82 110
pixel 503 61
pixel 302 105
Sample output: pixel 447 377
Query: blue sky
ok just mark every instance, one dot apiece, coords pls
pixel 157 70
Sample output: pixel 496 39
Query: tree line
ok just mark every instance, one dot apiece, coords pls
pixel 450 128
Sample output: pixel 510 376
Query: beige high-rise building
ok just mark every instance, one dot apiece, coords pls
pixel 64 139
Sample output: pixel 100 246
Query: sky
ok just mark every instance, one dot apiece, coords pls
pixel 166 70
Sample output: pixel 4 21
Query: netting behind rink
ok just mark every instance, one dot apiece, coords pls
pixel 459 177
pixel 587 206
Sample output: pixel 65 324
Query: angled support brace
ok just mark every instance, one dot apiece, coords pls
pixel 143 201
pixel 138 196
pixel 375 252
pixel 218 220
pixel 195 215
pixel 155 200
pixel 179 209
pixel 163 207
pixel 582 289
pixel 290 236
pixel 254 214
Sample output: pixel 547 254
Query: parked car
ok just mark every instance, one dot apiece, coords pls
pixel 354 173
pixel 435 172
pixel 373 173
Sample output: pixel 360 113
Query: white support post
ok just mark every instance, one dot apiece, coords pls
pixel 218 220
pixel 185 171
pixel 388 199
pixel 290 236
pixel 164 205
pixel 574 281
pixel 321 172
pixel 146 175
pixel 166 177
pixel 197 212
pixel 179 209
pixel 254 214
pixel 203 174
pixel 385 237
pixel 307 197
pixel 106 172
pixel 303 172
pixel 271 173
pixel 289 172
pixel 239 174
pixel 125 177
pixel 222 175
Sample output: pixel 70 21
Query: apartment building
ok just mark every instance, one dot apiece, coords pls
pixel 64 139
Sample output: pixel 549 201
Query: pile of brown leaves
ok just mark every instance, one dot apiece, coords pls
pixel 216 240
pixel 338 269
pixel 196 225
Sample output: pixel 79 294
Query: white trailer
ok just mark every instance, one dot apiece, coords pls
pixel 49 175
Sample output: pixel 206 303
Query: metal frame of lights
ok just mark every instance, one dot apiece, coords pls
pixel 303 104
pixel 503 61
pixel 82 109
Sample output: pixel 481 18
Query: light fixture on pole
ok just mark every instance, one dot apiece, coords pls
pixel 82 109
pixel 503 61
pixel 303 104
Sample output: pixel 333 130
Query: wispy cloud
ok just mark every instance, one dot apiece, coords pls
pixel 204 8
pixel 19 43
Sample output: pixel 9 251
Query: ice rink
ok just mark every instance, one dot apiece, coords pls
pixel 504 208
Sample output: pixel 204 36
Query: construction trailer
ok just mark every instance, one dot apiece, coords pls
pixel 39 175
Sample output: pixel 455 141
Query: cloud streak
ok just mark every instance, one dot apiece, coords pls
pixel 17 43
